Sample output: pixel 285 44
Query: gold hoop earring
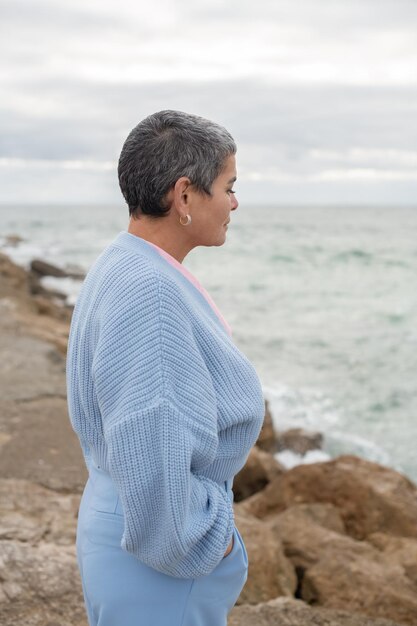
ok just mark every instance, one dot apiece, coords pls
pixel 187 222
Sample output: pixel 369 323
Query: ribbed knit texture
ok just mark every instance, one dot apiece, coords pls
pixel 162 400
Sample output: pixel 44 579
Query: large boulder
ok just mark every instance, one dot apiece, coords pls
pixel 259 470
pixel 349 580
pixel 270 573
pixel 289 612
pixel 42 268
pixel 267 437
pixel 39 443
pixel 299 440
pixel 13 279
pixel 31 513
pixel 324 515
pixel 39 585
pixel 337 571
pixel 28 314
pixel 39 578
pixel 371 498
pixel 401 550
pixel 306 542
pixel 13 240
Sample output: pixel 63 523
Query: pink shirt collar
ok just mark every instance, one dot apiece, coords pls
pixel 194 281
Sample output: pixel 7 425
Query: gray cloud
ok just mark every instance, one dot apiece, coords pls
pixel 47 15
pixel 77 80
pixel 291 119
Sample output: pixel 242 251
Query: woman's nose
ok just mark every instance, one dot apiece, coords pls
pixel 235 203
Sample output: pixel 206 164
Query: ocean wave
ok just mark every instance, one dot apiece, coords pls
pixel 24 252
pixel 290 459
pixel 355 254
pixel 70 287
pixel 282 258
pixel 311 409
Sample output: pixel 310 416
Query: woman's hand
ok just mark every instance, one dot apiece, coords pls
pixel 230 546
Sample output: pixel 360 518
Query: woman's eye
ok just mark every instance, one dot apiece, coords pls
pixel 231 191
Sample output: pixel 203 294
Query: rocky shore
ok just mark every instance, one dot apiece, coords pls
pixel 329 543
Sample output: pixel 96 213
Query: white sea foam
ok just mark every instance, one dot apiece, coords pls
pixel 300 408
pixel 67 286
pixel 312 410
pixel 23 253
pixel 290 459
pixel 341 442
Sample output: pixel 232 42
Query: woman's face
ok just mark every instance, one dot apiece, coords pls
pixel 210 214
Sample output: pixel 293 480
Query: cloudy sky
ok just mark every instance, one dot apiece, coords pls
pixel 321 95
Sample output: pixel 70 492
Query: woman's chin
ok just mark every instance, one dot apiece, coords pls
pixel 219 240
pixel 222 237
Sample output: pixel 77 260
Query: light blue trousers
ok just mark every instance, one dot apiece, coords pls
pixel 120 590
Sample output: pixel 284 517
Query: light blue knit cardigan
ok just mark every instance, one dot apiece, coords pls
pixel 162 399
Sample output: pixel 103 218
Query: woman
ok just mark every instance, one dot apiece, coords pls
pixel 165 405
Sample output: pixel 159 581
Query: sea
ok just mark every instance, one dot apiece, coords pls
pixel 322 300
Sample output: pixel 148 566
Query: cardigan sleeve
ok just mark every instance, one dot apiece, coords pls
pixel 159 417
pixel 176 521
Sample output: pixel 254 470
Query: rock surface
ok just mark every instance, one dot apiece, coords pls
pixel 270 573
pixel 370 497
pixel 289 612
pixel 362 583
pixel 42 268
pixel 341 535
pixel 400 550
pixel 23 313
pixel 267 437
pixel 39 579
pixel 39 585
pixel 338 571
pixel 299 440
pixel 30 513
pixel 37 441
pixel 260 468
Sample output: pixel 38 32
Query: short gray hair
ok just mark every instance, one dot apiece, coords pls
pixel 162 148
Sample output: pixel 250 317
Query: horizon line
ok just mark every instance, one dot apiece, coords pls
pixel 287 205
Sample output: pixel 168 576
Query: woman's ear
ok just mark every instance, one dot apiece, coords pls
pixel 181 192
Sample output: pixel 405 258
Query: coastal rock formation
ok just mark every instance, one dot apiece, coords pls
pixel 364 583
pixel 267 437
pixel 337 571
pixel 400 550
pixel 299 440
pixel 24 312
pixel 370 497
pixel 36 441
pixel 329 544
pixel 39 585
pixel 31 514
pixel 289 612
pixel 42 268
pixel 260 468
pixel 346 525
pixel 39 579
pixel 13 240
pixel 270 573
